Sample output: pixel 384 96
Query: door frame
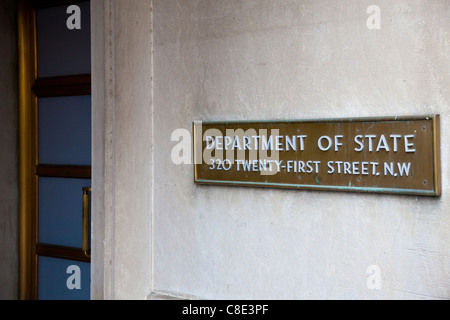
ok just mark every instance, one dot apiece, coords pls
pixel 28 147
pixel 112 72
pixel 30 89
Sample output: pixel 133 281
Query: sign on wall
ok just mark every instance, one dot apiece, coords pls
pixel 387 155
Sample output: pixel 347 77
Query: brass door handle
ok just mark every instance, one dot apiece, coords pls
pixel 85 223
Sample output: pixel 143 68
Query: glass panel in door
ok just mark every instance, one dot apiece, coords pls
pixel 64 145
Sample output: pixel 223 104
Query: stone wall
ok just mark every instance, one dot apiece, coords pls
pixel 267 60
pixel 157 233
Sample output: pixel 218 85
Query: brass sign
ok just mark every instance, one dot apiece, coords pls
pixel 386 155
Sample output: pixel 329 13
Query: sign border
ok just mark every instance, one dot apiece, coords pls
pixel 435 120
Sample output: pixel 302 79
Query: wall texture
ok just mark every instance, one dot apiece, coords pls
pixel 292 59
pixel 122 154
pixel 159 65
pixel 9 175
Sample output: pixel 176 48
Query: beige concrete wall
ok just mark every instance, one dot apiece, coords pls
pixel 266 60
pixel 9 157
pixel 122 149
pixel 156 232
